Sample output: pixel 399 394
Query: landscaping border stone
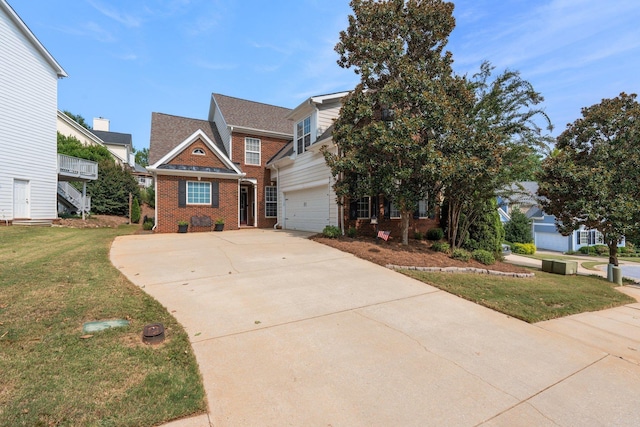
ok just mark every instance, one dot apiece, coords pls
pixel 461 270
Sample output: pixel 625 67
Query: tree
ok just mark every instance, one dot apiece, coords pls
pixel 110 192
pixel 486 232
pixel 518 228
pixel 142 156
pixel 493 148
pixel 77 118
pixel 593 180
pixel 135 211
pixel 397 47
pixel 71 146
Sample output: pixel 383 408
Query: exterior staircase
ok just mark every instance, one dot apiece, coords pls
pixel 72 198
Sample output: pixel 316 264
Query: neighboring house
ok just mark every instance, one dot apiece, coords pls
pixel 212 169
pixel 523 196
pixel 28 150
pixel 306 199
pixel 119 144
pixel 142 176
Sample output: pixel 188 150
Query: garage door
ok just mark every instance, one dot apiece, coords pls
pixel 552 242
pixel 307 209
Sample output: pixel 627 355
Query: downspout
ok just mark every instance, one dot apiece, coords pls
pixel 275 226
pixel 155 204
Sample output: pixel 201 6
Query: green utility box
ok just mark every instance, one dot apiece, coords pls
pixel 560 266
pixel 547 265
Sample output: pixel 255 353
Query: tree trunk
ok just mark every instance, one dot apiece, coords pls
pixel 613 252
pixel 405 226
pixel 453 222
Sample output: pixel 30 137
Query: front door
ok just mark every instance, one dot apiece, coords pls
pixel 243 205
pixel 21 199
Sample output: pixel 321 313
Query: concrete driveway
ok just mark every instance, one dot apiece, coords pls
pixel 290 332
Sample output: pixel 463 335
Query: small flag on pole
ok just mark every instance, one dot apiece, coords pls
pixel 384 235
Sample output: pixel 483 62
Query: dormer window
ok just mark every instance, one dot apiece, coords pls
pixel 198 152
pixel 303 135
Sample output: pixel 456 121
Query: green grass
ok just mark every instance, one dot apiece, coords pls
pixel 52 281
pixel 546 296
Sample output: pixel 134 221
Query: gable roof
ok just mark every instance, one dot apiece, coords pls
pixel 115 138
pixel 164 167
pixel 4 6
pixel 167 131
pixel 253 115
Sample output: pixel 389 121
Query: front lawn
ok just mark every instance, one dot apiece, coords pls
pixel 543 297
pixel 52 281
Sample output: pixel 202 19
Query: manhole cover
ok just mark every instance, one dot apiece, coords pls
pixel 153 333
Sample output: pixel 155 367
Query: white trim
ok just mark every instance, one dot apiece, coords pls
pixel 184 144
pixel 195 174
pixel 259 132
pixel 313 101
pixel 33 39
pixel 304 186
pixel 247 151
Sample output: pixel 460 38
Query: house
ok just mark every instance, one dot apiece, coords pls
pixel 28 158
pixel 306 199
pixel 142 176
pixel 524 197
pixel 119 144
pixel 216 168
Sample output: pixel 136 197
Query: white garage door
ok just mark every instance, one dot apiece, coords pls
pixel 307 209
pixel 552 242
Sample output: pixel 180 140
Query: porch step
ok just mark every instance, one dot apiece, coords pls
pixel 33 222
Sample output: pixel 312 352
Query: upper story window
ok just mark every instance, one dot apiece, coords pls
pixel 303 135
pixel 252 151
pixel 198 152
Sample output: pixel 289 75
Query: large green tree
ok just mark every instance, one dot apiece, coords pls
pixel 397 48
pixel 503 129
pixel 78 119
pixel 593 179
pixel 142 156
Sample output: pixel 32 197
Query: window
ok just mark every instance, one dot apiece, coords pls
pixel 271 202
pixel 252 151
pixel 423 212
pixel 303 134
pixel 583 237
pixel 198 152
pixel 393 211
pixel 198 193
pixel 363 208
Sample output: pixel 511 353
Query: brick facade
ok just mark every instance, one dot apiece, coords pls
pixel 268 148
pixel 169 213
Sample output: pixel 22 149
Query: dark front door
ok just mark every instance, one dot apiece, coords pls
pixel 243 205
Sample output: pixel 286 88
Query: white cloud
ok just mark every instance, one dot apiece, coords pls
pixel 123 18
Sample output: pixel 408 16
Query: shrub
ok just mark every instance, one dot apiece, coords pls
pixel 601 249
pixel 518 230
pixel 331 231
pixel 418 235
pixel 147 224
pixel 587 250
pixel 523 248
pixel 461 255
pixel 440 247
pixel 486 230
pixel 483 257
pixel 630 246
pixel 435 234
pixel 135 211
pixel 352 232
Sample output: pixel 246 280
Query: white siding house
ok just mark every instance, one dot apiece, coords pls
pixel 28 105
pixel 306 197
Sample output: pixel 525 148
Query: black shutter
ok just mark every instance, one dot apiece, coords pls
pixel 387 208
pixel 182 193
pixel 353 209
pixel 215 195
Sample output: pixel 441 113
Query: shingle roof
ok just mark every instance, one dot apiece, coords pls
pixel 114 137
pixel 168 131
pixel 254 115
pixel 285 151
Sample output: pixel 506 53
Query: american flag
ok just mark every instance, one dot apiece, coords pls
pixel 384 235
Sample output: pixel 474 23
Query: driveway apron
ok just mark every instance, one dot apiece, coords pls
pixel 287 331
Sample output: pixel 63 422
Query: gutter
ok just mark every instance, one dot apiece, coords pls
pixel 275 226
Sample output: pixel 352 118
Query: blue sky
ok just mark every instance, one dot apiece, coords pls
pixel 127 59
